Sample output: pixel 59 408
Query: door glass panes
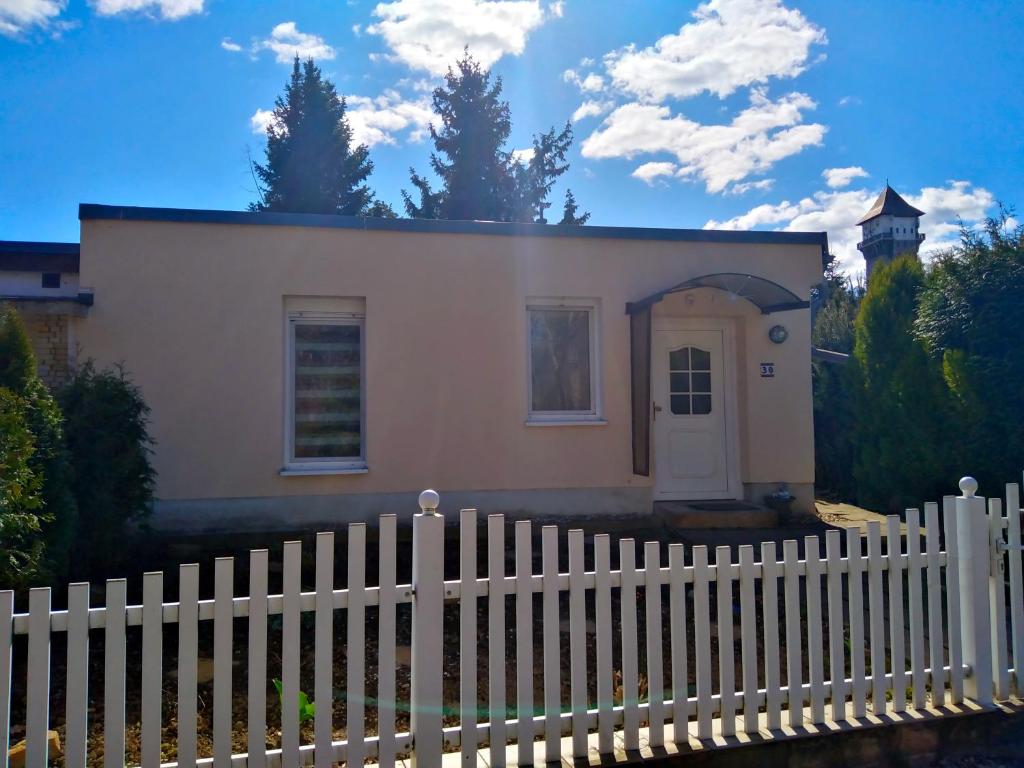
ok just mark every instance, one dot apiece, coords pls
pixel 689 381
pixel 328 391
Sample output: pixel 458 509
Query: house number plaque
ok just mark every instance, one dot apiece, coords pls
pixel 767 370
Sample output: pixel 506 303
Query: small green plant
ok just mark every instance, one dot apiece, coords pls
pixel 307 708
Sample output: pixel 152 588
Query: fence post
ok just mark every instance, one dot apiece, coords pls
pixel 973 568
pixel 427 633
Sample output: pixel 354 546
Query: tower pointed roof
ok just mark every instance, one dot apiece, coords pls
pixel 889 203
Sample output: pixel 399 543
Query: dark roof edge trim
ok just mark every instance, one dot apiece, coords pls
pixel 91 211
pixel 34 247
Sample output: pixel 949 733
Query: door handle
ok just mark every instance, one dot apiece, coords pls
pixel 657 410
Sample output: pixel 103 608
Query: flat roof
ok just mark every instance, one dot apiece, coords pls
pixel 92 211
pixel 33 256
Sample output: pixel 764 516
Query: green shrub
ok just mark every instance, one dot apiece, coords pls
pixel 48 461
pixel 902 453
pixel 21 504
pixel 106 427
pixel 971 318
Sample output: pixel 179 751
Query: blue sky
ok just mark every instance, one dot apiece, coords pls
pixel 732 113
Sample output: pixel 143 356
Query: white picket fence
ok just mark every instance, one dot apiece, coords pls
pixel 829 636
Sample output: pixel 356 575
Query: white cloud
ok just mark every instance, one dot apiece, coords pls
pixel 228 45
pixel 591 83
pixel 850 101
pixel 763 185
pixel 586 61
pixel 261 120
pixel 287 42
pixel 16 16
pixel 650 172
pixel 556 10
pixel 837 212
pixel 378 120
pixel 165 9
pixel 729 44
pixel 430 35
pixel 591 108
pixel 522 156
pixel 720 155
pixel 837 178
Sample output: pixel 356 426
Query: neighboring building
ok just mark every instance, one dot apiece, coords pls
pixel 890 228
pixel 41 281
pixel 311 370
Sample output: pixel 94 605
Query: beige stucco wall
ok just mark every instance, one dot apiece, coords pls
pixel 196 313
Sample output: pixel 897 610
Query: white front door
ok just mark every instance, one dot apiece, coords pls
pixel 691 400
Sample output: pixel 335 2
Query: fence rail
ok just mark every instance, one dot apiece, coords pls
pixel 688 641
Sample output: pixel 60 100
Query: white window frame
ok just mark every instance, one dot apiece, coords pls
pixel 324 465
pixel 566 418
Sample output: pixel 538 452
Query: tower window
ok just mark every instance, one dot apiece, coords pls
pixel 51 279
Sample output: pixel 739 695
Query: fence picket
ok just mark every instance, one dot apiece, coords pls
pixel 997 601
pixel 77 690
pixel 630 648
pixel 257 672
pixel 188 662
pixel 855 592
pixel 677 633
pixel 355 647
pixel 815 659
pixel 323 650
pixel 577 644
pixel 550 632
pixel 836 658
pixel 496 637
pixel 6 661
pixel 290 626
pixel 386 640
pixel 794 654
pixel 876 617
pixel 748 638
pixel 916 609
pixel 524 643
pixel 702 639
pixel 1016 578
pixel 37 699
pixel 603 620
pixel 152 667
pixel 897 640
pixel 956 674
pixel 726 646
pixel 770 618
pixel 223 629
pixel 934 581
pixel 467 635
pixel 655 670
pixel 114 670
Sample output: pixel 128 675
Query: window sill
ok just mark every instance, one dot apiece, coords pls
pixel 298 471
pixel 590 422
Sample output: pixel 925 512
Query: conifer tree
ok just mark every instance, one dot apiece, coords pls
pixel 570 212
pixel 901 444
pixel 48 460
pixel 479 178
pixel 311 165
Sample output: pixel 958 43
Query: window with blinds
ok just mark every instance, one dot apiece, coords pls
pixel 326 361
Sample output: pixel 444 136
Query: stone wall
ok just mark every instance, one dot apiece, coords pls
pixel 48 334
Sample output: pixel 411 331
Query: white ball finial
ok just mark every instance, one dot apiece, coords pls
pixel 968 485
pixel 429 501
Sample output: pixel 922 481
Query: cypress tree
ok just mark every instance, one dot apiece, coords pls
pixel 48 461
pixel 901 455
